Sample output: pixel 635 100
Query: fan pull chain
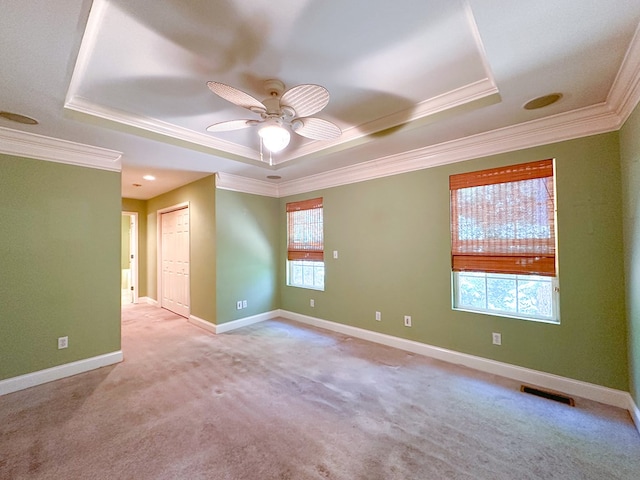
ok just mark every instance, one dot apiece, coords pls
pixel 262 154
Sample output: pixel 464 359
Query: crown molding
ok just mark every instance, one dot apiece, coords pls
pixel 483 86
pixel 76 103
pixel 31 145
pixel 235 183
pixel 455 98
pixel 222 147
pixel 625 92
pixel 561 127
pixel 623 97
pixel 567 126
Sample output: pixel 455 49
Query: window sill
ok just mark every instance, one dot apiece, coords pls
pixel 507 315
pixel 305 287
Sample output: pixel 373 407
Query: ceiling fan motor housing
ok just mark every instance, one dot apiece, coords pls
pixel 274 87
pixel 273 106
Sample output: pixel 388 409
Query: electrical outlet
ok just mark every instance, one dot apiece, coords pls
pixel 378 316
pixel 239 305
pixel 63 342
pixel 244 304
pixel 497 338
pixel 407 320
pixel 312 302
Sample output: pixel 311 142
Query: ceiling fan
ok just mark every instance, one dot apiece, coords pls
pixel 280 112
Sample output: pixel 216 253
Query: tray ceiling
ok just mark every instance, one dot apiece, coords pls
pixel 410 79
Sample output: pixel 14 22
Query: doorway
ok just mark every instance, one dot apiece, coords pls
pixel 129 258
pixel 173 251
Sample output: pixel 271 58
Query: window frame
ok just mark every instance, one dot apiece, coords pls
pixel 310 251
pixel 505 270
pixel 292 263
pixel 555 299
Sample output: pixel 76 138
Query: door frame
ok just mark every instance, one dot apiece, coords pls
pixel 133 250
pixel 159 212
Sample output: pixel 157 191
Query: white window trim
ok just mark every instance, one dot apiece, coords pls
pixel 306 287
pixel 455 300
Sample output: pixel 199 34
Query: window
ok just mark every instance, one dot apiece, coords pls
pixel 503 241
pixel 305 244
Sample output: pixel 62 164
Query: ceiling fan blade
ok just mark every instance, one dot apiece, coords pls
pixel 305 99
pixel 237 97
pixel 231 125
pixel 316 128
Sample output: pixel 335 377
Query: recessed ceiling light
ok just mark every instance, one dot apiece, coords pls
pixel 149 177
pixel 274 177
pixel 16 117
pixel 543 101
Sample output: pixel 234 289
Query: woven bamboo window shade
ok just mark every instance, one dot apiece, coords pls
pixel 305 230
pixel 502 220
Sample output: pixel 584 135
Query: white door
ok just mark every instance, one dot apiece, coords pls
pixel 129 258
pixel 175 261
pixel 125 261
pixel 133 255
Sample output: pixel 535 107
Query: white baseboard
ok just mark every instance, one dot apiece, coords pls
pixel 234 324
pixel 199 322
pixel 598 393
pixel 246 321
pixel 148 300
pixel 28 380
pixel 634 411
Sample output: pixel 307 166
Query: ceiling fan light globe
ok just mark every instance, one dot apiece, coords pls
pixel 274 137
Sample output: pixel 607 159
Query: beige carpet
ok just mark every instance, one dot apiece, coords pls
pixel 283 401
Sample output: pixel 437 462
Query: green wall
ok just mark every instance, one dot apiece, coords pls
pixel 139 207
pixel 60 251
pixel 124 244
pixel 202 220
pixel 392 236
pixel 630 159
pixel 247 251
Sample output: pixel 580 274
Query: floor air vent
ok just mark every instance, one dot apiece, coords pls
pixel 556 397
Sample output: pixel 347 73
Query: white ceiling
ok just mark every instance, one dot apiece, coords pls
pixel 409 78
